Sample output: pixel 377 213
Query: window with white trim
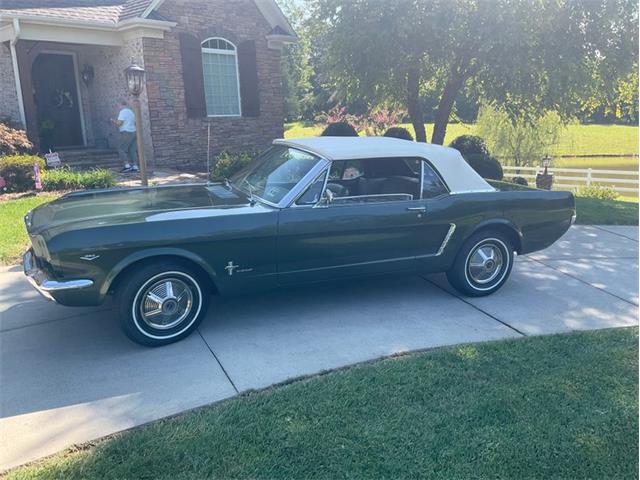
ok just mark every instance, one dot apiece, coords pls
pixel 221 84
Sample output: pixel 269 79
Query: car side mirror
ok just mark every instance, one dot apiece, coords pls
pixel 327 198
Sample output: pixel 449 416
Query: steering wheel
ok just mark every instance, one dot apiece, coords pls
pixel 338 190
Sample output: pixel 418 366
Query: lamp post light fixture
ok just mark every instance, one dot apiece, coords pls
pixel 135 83
pixel 545 180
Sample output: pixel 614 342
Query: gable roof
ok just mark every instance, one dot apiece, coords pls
pixel 112 12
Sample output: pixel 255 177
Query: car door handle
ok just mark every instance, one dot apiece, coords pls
pixel 417 209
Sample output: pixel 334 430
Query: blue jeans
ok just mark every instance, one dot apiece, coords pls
pixel 128 147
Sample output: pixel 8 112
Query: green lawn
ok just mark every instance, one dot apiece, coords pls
pixel 13 236
pixel 602 163
pixel 562 406
pixel 576 140
pixel 591 211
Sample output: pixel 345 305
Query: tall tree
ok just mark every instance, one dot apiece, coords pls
pixel 528 55
pixel 296 66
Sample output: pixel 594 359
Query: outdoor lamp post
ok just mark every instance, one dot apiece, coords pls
pixel 135 82
pixel 545 180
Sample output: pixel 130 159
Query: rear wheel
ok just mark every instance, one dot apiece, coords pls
pixel 161 303
pixel 483 264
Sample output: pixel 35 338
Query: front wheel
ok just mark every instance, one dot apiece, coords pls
pixel 161 303
pixel 483 264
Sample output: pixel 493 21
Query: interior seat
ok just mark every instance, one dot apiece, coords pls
pixel 401 184
pixel 370 186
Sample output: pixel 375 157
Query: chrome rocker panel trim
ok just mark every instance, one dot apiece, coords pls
pixel 45 286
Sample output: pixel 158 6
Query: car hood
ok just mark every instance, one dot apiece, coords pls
pixel 133 205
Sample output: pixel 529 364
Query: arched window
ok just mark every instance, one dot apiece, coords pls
pixel 221 85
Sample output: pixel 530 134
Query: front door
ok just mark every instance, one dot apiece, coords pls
pixel 56 99
pixel 394 219
pixel 320 243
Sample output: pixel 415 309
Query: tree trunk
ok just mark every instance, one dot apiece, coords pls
pixel 413 104
pixel 451 89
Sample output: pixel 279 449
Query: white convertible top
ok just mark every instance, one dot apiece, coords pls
pixel 455 171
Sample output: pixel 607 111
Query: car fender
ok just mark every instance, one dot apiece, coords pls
pixel 501 222
pixel 156 252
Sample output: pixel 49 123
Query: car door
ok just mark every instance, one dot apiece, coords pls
pixel 367 234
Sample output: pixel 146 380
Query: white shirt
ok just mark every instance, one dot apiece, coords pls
pixel 128 119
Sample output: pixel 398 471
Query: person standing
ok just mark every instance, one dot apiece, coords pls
pixel 127 142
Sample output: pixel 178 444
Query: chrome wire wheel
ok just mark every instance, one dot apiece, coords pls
pixel 166 303
pixel 485 263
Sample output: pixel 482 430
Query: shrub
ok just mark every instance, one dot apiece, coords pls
pixel 17 171
pixel 596 191
pixel 486 166
pixel 399 132
pixel 13 141
pixel 470 145
pixel 339 129
pixel 228 163
pixel 67 179
pixel 520 181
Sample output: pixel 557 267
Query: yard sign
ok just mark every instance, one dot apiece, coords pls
pixel 53 159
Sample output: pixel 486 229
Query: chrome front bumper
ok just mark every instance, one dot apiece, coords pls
pixel 45 286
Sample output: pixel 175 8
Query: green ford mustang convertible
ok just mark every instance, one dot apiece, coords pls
pixel 305 210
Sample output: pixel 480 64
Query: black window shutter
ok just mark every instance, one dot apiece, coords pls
pixel 192 76
pixel 248 70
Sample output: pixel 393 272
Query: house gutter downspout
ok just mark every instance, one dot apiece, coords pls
pixel 16 72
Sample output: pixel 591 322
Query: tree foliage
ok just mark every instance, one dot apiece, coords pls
pixel 520 141
pixel 530 56
pixel 296 65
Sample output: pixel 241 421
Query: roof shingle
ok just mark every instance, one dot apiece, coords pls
pixel 99 11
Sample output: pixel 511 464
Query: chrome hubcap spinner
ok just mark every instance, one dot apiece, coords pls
pixel 485 263
pixel 166 303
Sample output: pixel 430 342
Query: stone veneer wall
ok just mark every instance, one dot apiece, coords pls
pixel 110 86
pixel 100 98
pixel 180 141
pixel 9 108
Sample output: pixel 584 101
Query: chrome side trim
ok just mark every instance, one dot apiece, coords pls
pixel 477 190
pixel 447 237
pixel 44 285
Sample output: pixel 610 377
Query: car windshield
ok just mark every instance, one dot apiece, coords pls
pixel 274 173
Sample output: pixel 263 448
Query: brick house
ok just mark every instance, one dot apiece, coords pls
pixel 211 66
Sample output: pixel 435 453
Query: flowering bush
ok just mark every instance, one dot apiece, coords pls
pixel 375 123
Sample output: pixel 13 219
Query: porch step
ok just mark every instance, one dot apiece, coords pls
pixel 87 158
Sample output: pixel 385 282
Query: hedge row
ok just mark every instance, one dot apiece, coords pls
pixel 17 172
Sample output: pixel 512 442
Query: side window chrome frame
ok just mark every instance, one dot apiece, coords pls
pixel 290 199
pixel 434 170
pixel 295 203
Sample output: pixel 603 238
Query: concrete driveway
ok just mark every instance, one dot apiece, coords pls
pixel 67 375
